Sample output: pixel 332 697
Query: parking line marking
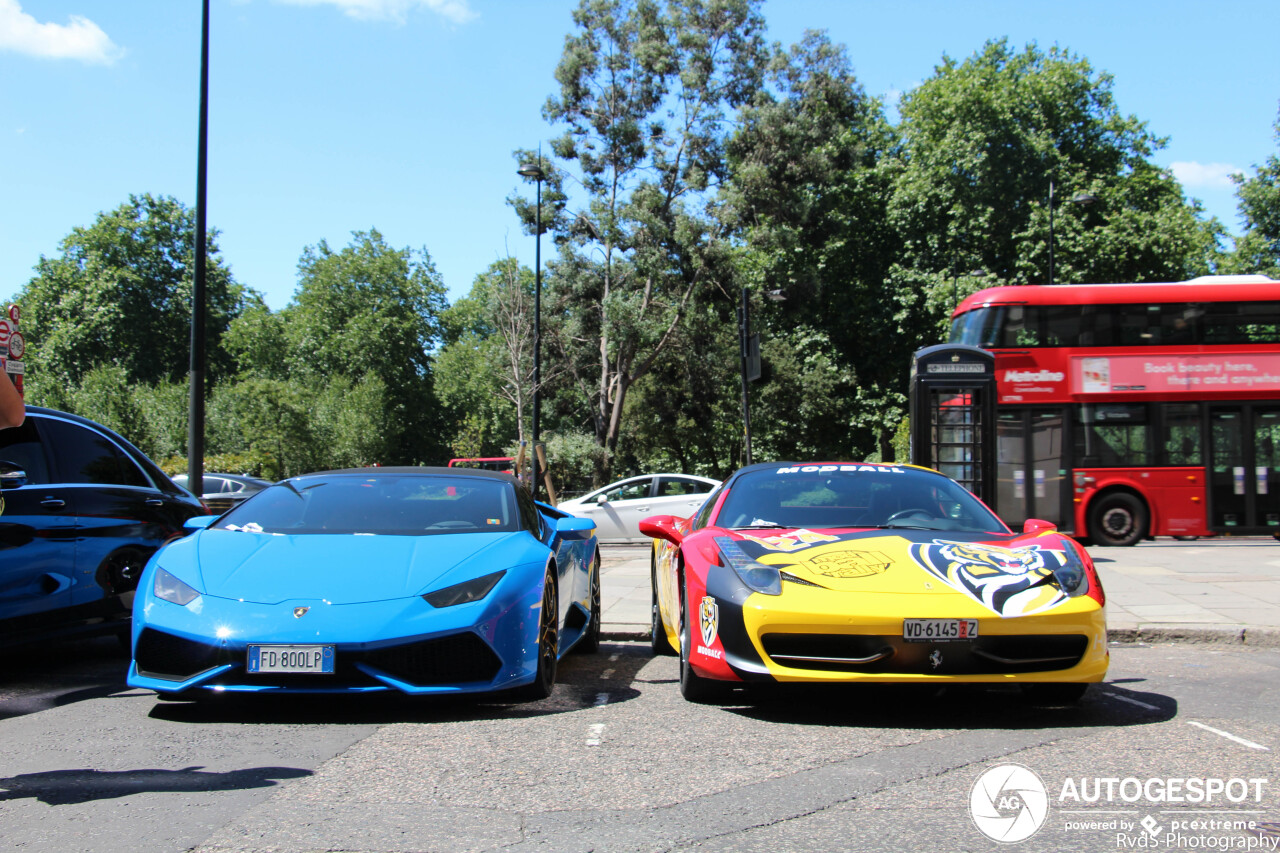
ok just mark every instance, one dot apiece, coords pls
pixel 608 673
pixel 596 731
pixel 602 699
pixel 1230 736
pixel 1131 701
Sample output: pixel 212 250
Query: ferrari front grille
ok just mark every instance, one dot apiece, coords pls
pixel 885 654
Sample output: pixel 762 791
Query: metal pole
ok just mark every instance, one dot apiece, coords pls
pixel 744 335
pixel 195 421
pixel 537 332
pixel 1051 230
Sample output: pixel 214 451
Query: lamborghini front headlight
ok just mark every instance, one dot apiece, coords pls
pixel 461 593
pixel 171 589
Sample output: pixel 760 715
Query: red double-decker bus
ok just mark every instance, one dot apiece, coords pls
pixel 1126 411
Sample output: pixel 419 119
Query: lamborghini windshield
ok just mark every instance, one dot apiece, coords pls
pixel 392 504
pixel 827 496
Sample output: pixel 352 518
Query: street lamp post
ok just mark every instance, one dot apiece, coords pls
pixel 534 171
pixel 195 422
pixel 744 345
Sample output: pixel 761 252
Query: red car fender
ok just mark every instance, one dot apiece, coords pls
pixel 706 653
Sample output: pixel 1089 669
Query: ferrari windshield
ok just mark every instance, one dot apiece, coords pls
pixel 392 504
pixel 827 496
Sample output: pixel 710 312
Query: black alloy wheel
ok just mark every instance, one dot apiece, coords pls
pixel 693 687
pixel 548 644
pixel 590 642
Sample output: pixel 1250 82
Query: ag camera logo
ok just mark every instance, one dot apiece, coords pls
pixel 1009 803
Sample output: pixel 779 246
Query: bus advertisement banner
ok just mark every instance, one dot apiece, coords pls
pixel 1191 373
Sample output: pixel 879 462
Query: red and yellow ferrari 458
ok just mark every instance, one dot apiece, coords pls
pixel 860 572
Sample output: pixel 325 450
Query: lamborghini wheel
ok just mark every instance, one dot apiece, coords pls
pixel 548 644
pixel 693 687
pixel 590 642
pixel 658 641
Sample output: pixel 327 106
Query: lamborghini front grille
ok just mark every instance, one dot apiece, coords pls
pixel 161 655
pixel 445 660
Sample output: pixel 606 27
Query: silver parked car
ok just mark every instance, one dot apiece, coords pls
pixel 223 491
pixel 618 508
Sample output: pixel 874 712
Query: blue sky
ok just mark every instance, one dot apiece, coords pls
pixel 334 116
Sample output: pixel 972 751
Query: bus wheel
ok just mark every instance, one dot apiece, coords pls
pixel 1118 519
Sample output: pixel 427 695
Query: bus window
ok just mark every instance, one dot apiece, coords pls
pixel 1180 434
pixel 1020 328
pixel 979 327
pixel 1062 326
pixel 1137 325
pixel 1242 323
pixel 1179 324
pixel 1112 435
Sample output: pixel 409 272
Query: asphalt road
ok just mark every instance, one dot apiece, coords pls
pixel 616 760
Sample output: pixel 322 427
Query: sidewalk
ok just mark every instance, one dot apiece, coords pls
pixel 1206 591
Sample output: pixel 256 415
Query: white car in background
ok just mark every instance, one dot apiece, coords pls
pixel 618 508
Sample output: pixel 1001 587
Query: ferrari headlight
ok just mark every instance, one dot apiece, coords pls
pixel 755 575
pixel 1070 576
pixel 461 593
pixel 169 588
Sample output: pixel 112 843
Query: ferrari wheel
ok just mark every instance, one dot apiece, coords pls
pixel 548 644
pixel 693 687
pixel 590 641
pixel 658 641
pixel 1059 693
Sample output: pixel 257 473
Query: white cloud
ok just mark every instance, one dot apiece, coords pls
pixel 1206 176
pixel 80 38
pixel 454 11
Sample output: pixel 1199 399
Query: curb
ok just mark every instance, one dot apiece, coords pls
pixel 1268 638
pixel 1235 635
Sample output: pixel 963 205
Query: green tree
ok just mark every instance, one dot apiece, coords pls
pixel 258 342
pixel 645 90
pixel 120 294
pixel 812 165
pixel 371 309
pixel 485 370
pixel 1258 251
pixel 983 140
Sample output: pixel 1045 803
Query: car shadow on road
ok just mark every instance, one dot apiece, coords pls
pixel 76 787
pixel 41 677
pixel 581 682
pixel 961 706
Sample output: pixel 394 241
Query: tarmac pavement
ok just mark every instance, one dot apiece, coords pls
pixel 1221 590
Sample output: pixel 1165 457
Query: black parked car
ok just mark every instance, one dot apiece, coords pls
pixel 83 511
